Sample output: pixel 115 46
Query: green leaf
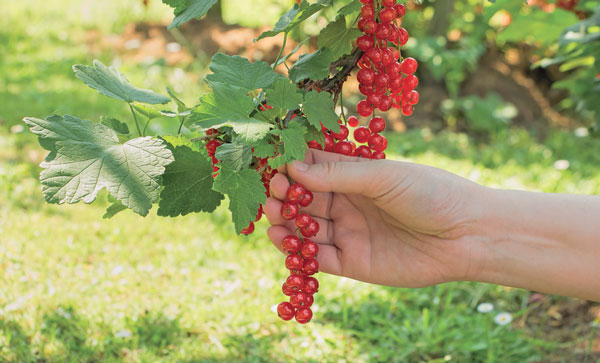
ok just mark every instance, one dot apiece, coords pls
pixel 115 207
pixel 337 38
pixel 245 191
pixel 235 155
pixel 88 157
pixel 284 95
pixel 351 8
pixel 177 5
pixel 228 106
pixel 112 83
pixel 264 150
pixel 147 111
pixel 287 56
pixel 293 17
pixel 312 133
pixel 181 107
pixel 313 66
pixel 188 180
pixel 318 108
pixel 238 71
pixel 293 145
pixel 194 9
pixel 118 126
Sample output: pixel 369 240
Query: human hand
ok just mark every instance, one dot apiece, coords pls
pixel 385 222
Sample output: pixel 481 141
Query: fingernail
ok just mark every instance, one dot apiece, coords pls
pixel 299 166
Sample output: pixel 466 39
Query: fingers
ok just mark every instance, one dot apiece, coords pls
pixel 328 256
pixel 272 209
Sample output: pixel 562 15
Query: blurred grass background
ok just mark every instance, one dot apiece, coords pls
pixel 76 288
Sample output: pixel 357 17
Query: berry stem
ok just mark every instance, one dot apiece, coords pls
pixel 137 125
pixel 285 35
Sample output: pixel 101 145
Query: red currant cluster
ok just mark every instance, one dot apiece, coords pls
pixel 300 286
pixel 384 80
pixel 374 144
pixel 211 148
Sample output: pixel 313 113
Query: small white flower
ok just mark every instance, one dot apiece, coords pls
pixel 485 308
pixel 561 164
pixel 503 319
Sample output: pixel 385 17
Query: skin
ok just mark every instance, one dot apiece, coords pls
pixel 409 225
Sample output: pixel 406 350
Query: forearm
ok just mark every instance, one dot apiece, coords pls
pixel 543 242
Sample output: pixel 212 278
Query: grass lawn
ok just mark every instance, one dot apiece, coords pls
pixel 74 287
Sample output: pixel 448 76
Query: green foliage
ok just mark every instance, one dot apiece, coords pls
pixel 239 72
pixel 313 66
pixel 193 9
pixel 245 191
pixel 318 108
pixel 112 83
pixel 338 38
pixel 87 157
pixel 487 115
pixel 187 181
pixel 295 16
pixel 293 145
pixel 284 95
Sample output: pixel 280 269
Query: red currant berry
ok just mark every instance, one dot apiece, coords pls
pixel 343 134
pixel 363 152
pixel 287 289
pixel 395 84
pixel 353 121
pixel 211 132
pixel 402 36
pixel 309 249
pixel 298 299
pixel 365 89
pixel 369 26
pixel 379 155
pixel 367 11
pixel 377 142
pixel 309 301
pixel 381 81
pixel 388 3
pixel 311 266
pixel 387 15
pixel 377 124
pixel 386 103
pixel 343 147
pixel 365 42
pixel 364 109
pixel 286 311
pixel 311 230
pixel 366 76
pixel 259 214
pixel 387 57
pixel 296 282
pixel 407 109
pixel 294 262
pixel 409 66
pixel 212 145
pixel 410 83
pixel 400 10
pixel 413 97
pixel 303 220
pixel 306 199
pixel 374 55
pixel 248 230
pixel 313 144
pixel 303 315
pixel 311 285
pixel 291 244
pixel 381 32
pixel 329 143
pixel 373 100
pixel 295 192
pixel 289 210
pixel 361 134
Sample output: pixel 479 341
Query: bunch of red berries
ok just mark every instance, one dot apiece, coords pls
pixel 374 144
pixel 383 79
pixel 300 285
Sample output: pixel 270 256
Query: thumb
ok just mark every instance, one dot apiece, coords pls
pixel 351 177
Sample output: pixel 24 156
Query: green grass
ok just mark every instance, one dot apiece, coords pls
pixel 74 287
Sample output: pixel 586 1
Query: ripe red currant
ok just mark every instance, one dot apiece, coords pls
pixel 343 147
pixel 367 11
pixel 363 152
pixel 407 109
pixel 303 315
pixel 296 282
pixel 361 134
pixel 309 249
pixel 310 267
pixel 289 210
pixel 294 262
pixel 311 230
pixel 381 32
pixel 413 97
pixel 311 285
pixel 343 134
pixel 306 199
pixel 409 66
pixel 291 244
pixel 388 3
pixel 400 10
pixel 303 220
pixel 377 124
pixel 353 121
pixel 410 83
pixel 287 289
pixel 212 145
pixel 295 192
pixel 366 76
pixel 379 155
pixel 329 143
pixel 364 109
pixel 248 230
pixel 387 15
pixel 385 103
pixel 309 301
pixel 298 299
pixel 364 42
pixel 377 142
pixel 286 311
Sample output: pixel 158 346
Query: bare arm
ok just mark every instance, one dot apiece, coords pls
pixel 409 225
